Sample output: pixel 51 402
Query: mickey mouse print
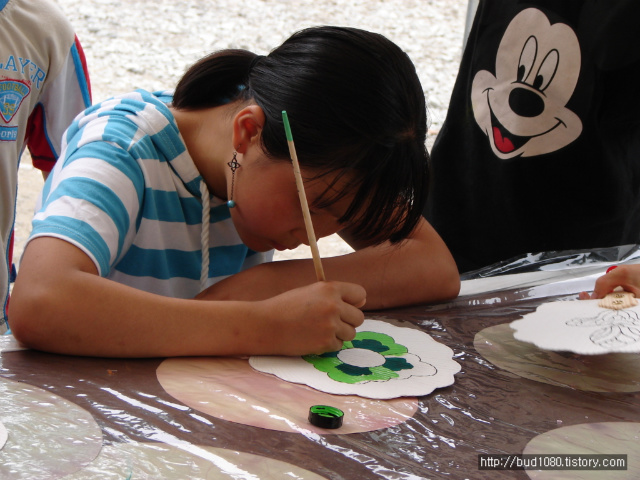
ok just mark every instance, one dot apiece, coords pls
pixel 522 107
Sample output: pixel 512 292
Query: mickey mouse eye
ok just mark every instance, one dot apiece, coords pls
pixel 527 58
pixel 547 71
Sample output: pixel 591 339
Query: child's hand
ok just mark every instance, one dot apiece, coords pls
pixel 315 319
pixel 625 276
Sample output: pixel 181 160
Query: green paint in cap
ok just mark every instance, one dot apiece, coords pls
pixel 325 416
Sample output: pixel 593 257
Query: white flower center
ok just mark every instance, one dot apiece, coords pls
pixel 361 357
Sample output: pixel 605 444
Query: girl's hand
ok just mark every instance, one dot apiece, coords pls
pixel 625 276
pixel 314 319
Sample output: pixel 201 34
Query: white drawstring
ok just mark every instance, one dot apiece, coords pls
pixel 204 235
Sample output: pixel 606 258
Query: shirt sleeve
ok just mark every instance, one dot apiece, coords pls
pixel 94 195
pixel 63 97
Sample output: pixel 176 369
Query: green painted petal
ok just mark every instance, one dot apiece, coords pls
pixel 353 370
pixel 382 373
pixel 396 349
pixel 393 348
pixel 343 372
pixel 369 344
pixel 340 376
pixel 324 364
pixel 396 364
pixel 375 373
pixel 315 358
pixel 329 354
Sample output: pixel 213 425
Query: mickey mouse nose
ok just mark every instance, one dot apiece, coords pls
pixel 525 103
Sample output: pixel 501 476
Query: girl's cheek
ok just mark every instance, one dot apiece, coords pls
pixel 326 226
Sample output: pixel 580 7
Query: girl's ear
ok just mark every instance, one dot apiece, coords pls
pixel 247 126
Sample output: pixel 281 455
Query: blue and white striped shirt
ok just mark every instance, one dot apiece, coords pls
pixel 127 193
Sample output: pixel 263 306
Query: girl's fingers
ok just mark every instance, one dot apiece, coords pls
pixel 346 332
pixel 584 296
pixel 625 276
pixel 353 294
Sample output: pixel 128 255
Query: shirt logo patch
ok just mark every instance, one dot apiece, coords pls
pixel 8 134
pixel 12 93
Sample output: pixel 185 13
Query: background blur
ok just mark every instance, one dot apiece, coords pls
pixel 149 44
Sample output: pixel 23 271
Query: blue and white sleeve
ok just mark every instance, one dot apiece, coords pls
pixel 93 197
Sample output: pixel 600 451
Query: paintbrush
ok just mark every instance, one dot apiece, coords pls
pixel 303 200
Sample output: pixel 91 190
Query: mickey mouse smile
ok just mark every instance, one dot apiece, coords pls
pixel 507 142
pixel 504 140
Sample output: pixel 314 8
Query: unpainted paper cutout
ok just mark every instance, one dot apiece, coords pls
pixel 581 326
pixel 613 372
pixel 613 328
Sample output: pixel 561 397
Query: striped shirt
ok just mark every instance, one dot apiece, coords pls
pixel 127 193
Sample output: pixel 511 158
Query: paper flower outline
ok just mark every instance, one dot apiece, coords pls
pixel 617 327
pixel 370 357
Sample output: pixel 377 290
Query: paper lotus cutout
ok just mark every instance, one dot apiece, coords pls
pixel 371 356
pixel 581 326
pixel 383 361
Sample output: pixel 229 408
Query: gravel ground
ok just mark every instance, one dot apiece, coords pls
pixel 149 43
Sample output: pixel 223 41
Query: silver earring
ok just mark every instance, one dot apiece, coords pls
pixel 233 165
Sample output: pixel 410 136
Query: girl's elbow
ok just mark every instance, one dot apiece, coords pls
pixel 451 286
pixel 26 318
pixel 22 325
pixel 447 286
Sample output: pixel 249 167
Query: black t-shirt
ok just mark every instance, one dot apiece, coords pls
pixel 540 150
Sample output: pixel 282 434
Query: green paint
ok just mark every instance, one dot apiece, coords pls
pixel 327 411
pixel 397 364
pixel 366 339
pixel 380 343
pixel 287 127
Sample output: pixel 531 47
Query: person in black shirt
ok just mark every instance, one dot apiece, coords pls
pixel 540 150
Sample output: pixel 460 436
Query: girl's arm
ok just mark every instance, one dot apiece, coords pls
pixel 60 304
pixel 418 270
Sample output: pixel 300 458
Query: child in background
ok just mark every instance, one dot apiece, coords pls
pixel 44 84
pixel 543 114
pixel 625 276
pixel 151 184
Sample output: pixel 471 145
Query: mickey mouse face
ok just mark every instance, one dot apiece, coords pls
pixel 522 109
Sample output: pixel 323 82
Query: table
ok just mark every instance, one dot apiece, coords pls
pixel 75 417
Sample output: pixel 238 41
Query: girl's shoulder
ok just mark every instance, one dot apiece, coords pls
pixel 137 103
pixel 124 119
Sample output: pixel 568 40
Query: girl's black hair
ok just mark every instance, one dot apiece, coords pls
pixel 356 108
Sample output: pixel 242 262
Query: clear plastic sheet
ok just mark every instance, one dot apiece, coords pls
pixel 118 418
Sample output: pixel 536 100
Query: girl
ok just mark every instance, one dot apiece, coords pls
pixel 161 198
